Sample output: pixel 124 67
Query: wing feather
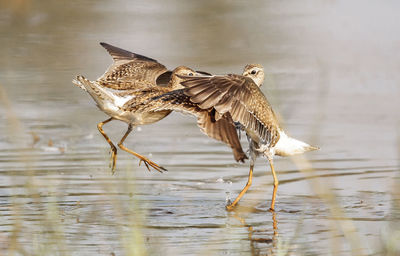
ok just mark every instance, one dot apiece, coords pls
pixel 213 98
pixel 130 70
pixel 222 129
pixel 240 97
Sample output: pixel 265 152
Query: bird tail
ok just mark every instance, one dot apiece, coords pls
pixel 82 82
pixel 98 93
pixel 288 146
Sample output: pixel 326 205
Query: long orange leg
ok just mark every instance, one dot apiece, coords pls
pixel 113 148
pixel 232 205
pixel 276 183
pixel 146 161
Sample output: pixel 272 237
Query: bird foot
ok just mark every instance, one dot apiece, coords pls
pixel 150 163
pixel 230 207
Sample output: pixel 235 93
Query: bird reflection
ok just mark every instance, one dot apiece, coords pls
pixel 259 237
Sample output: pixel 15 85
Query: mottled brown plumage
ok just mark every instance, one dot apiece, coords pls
pixel 221 128
pixel 125 92
pixel 240 96
pixel 130 70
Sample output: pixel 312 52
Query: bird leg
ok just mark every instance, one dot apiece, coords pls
pixel 113 148
pixel 146 161
pixel 276 183
pixel 232 205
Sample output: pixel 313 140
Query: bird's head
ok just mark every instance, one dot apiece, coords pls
pixel 181 71
pixel 255 72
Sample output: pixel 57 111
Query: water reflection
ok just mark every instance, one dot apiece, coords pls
pixel 259 237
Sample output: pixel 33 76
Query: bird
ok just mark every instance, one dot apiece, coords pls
pixel 127 86
pixel 241 97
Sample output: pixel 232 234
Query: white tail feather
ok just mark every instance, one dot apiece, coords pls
pixel 288 146
pixel 98 94
pixel 79 81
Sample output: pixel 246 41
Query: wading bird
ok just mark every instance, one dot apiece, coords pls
pixel 240 96
pixel 124 90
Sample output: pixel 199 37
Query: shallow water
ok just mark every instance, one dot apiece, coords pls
pixel 333 79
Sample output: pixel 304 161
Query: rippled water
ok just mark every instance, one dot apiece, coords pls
pixel 333 79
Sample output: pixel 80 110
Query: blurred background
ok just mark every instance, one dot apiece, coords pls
pixel 332 76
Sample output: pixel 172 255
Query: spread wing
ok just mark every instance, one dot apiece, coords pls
pixel 240 97
pixel 130 70
pixel 221 128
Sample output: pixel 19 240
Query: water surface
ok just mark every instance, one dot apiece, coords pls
pixel 332 78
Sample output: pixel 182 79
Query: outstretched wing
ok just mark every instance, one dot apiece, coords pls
pixel 240 97
pixel 221 128
pixel 130 70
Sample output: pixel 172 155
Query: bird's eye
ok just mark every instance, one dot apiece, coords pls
pixel 190 74
pixel 253 72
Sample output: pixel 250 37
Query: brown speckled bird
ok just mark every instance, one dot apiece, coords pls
pixel 240 96
pixel 125 89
